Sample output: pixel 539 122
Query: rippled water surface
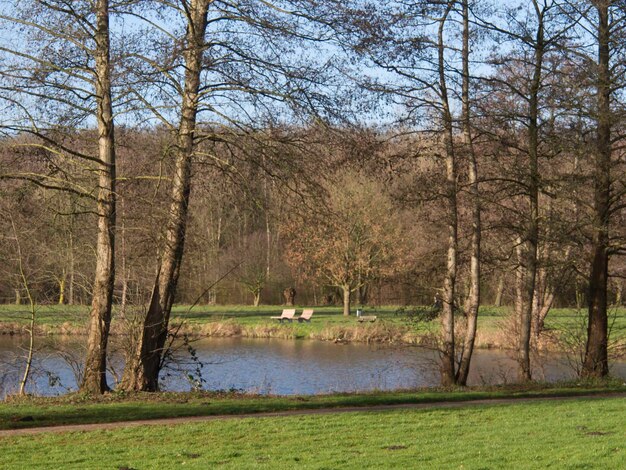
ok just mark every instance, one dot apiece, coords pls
pixel 281 366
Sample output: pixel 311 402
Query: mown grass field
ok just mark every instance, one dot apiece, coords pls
pixel 27 412
pixel 327 324
pixel 569 434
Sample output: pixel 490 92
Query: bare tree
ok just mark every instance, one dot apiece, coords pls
pixel 473 299
pixel 356 238
pixel 26 285
pixel 94 378
pixel 227 83
pixel 524 77
pixel 60 77
pixel 607 17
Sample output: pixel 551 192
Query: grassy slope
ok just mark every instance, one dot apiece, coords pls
pixel 27 412
pixel 54 318
pixel 578 433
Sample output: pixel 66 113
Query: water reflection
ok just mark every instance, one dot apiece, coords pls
pixel 281 367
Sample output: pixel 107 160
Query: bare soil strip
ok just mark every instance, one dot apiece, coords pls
pixel 274 414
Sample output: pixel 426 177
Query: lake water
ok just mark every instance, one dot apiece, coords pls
pixel 283 367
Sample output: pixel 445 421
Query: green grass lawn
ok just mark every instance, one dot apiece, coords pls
pixel 576 434
pixel 327 322
pixel 26 412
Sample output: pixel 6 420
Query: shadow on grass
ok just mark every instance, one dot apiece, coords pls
pixel 29 412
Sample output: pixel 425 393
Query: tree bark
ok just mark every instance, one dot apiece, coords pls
pixel 33 311
pixel 520 276
pixel 346 300
pixel 448 376
pixel 72 260
pixel 499 291
pixel 94 379
pixel 61 299
pixel 532 235
pixel 290 296
pixel 542 301
pixel 143 372
pixel 595 363
pixel 473 300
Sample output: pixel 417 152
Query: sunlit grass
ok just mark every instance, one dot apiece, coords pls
pixel 53 318
pixel 579 433
pixel 24 412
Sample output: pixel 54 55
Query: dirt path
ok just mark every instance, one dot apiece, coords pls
pixel 319 411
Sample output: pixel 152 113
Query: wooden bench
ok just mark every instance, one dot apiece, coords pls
pixel 363 318
pixel 307 313
pixel 287 314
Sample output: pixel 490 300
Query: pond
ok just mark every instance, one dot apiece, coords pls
pixel 283 367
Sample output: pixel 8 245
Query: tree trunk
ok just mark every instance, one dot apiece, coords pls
pixel 31 344
pixel 124 295
pixel 70 287
pixel 33 311
pixel 290 296
pixel 346 300
pixel 268 234
pixel 364 294
pixel 257 298
pixel 61 300
pixel 520 276
pixel 448 376
pixel 543 299
pixel 473 300
pixel 532 235
pixel 94 379
pixel 579 297
pixel 499 291
pixel 144 372
pixel 596 352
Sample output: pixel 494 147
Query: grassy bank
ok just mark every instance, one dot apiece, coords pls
pixel 328 324
pixel 26 412
pixel 580 433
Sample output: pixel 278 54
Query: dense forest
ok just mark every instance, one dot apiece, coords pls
pixel 360 153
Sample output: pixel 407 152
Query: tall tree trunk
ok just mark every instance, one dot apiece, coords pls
pixel 363 293
pixel 346 300
pixel 580 297
pixel 499 291
pixel 125 274
pixel 31 341
pixel 142 373
pixel 268 230
pixel 546 289
pixel 448 360
pixel 358 300
pixel 473 300
pixel 94 379
pixel 595 363
pixel 532 235
pixel 544 309
pixel 70 250
pixel 33 311
pixel 520 275
pixel 61 299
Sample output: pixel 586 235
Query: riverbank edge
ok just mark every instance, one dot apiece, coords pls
pixel 75 409
pixel 379 332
